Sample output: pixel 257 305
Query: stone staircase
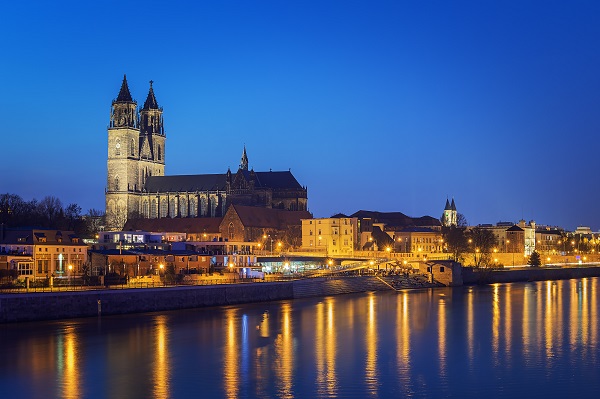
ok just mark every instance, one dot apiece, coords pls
pixel 337 286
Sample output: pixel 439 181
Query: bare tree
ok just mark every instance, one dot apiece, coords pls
pixel 482 242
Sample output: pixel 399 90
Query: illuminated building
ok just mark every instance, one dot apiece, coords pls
pixel 137 185
pixel 332 236
pixel 38 253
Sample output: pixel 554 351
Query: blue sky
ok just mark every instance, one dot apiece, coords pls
pixel 389 106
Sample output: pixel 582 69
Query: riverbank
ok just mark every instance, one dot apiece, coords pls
pixel 62 305
pixel 472 276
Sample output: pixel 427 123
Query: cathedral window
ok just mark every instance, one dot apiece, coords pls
pixel 193 207
pixel 145 212
pixel 118 147
pixel 132 147
pixel 117 183
pixel 163 208
pixel 183 207
pixel 153 210
pixel 173 208
pixel 159 153
pixel 203 207
pixel 231 231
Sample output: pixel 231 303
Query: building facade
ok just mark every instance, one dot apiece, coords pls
pixel 137 187
pixel 38 253
pixel 331 236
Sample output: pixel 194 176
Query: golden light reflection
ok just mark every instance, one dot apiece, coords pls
pixel 331 349
pixel 442 336
pixel 403 340
pixel 549 320
pixel 573 312
pixel 320 348
pixel 371 345
pixel 526 323
pixel 161 372
pixel 508 321
pixel 71 377
pixel 284 370
pixel 470 327
pixel 594 315
pixel 231 361
pixel 585 312
pixel 496 323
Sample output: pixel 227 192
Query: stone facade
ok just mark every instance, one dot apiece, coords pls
pixel 137 187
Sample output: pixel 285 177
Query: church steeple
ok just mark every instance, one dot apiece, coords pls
pixel 124 94
pixel 151 115
pixel 123 112
pixel 150 102
pixel 244 160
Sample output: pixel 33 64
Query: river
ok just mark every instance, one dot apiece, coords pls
pixel 538 339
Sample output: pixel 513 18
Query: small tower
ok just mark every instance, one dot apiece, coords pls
pixel 244 160
pixel 123 137
pixel 450 216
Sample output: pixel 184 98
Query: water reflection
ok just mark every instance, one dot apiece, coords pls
pixel 284 353
pixel 371 381
pixel 403 342
pixel 527 339
pixel 161 375
pixel 69 367
pixel 230 363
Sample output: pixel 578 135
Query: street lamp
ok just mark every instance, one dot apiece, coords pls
pixel 71 274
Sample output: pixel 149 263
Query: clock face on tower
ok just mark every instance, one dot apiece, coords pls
pixel 118 145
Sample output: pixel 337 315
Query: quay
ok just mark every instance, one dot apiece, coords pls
pixel 33 306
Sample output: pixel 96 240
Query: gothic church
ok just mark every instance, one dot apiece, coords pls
pixel 138 188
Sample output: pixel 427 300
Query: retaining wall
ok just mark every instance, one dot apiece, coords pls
pixel 487 276
pixel 63 305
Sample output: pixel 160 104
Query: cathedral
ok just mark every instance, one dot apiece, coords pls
pixel 138 188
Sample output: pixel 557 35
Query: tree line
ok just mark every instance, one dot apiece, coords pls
pixel 49 213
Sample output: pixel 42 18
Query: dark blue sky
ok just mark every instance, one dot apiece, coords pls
pixel 389 106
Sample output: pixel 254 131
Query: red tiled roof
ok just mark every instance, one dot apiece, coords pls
pixel 252 216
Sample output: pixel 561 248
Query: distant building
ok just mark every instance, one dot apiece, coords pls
pixel 137 186
pixel 450 215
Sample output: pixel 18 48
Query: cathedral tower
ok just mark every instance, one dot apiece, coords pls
pixel 136 146
pixel 152 139
pixel 123 136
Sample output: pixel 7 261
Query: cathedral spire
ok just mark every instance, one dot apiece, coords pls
pixel 151 99
pixel 244 160
pixel 124 94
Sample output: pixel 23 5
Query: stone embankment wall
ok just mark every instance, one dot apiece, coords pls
pixel 63 305
pixel 487 276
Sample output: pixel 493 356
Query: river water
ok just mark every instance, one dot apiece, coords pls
pixel 538 339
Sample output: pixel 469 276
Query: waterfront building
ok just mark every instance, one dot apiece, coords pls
pixel 420 241
pixel 549 240
pixel 370 223
pixel 125 240
pixel 147 262
pixel 39 253
pixel 138 187
pixel 331 236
